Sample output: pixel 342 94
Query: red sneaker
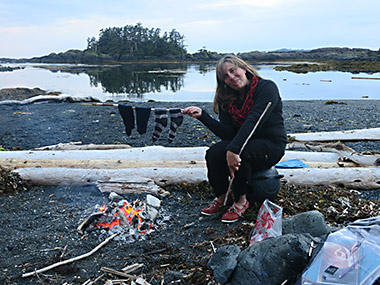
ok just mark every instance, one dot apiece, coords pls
pixel 215 207
pixel 234 213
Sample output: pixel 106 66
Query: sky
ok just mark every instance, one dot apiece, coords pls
pixel 30 28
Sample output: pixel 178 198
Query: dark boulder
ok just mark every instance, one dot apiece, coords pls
pixel 274 260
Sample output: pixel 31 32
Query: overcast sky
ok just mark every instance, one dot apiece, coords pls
pixel 38 27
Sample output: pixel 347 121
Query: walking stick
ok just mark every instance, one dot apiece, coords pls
pixel 243 146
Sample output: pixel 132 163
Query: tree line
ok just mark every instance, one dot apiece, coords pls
pixel 136 40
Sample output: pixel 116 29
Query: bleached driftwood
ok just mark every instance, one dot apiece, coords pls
pixel 366 178
pixel 47 98
pixel 11 164
pixel 79 176
pixel 344 151
pixel 372 134
pixel 352 177
pixel 155 153
pixel 170 165
pixel 80 146
pixel 131 185
pixel 151 153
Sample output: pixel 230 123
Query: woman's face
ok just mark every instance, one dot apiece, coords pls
pixel 234 76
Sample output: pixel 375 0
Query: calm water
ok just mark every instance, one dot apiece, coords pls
pixel 183 82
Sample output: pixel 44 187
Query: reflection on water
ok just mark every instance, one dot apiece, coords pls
pixel 180 82
pixel 138 79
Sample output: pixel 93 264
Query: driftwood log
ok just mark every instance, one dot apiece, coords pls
pixel 351 177
pixel 372 134
pixel 49 98
pixel 141 169
pixel 344 151
pixel 80 146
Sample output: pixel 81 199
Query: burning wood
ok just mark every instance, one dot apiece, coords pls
pixel 131 219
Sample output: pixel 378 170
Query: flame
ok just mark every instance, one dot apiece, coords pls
pixel 125 211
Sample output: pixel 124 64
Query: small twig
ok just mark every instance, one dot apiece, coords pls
pixel 93 282
pixel 63 252
pixel 156 251
pixel 283 283
pixel 115 272
pixel 132 267
pixel 213 247
pixel 39 278
pixel 51 249
pixel 312 246
pixel 87 282
pixel 71 259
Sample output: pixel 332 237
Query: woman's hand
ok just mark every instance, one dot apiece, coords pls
pixel 192 111
pixel 233 162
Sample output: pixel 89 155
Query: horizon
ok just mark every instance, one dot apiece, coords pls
pixel 43 27
pixel 277 50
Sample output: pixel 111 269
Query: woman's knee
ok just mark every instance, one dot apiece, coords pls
pixel 216 152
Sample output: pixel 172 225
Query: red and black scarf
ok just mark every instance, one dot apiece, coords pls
pixel 240 115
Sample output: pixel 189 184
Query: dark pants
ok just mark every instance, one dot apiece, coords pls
pixel 258 154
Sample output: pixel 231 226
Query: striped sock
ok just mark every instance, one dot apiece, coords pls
pixel 176 119
pixel 161 121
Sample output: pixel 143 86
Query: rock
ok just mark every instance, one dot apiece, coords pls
pixel 223 262
pixel 272 261
pixel 114 197
pixel 153 201
pixel 312 222
pixel 152 212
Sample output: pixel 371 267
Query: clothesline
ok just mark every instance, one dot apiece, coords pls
pixel 134 115
pixel 116 105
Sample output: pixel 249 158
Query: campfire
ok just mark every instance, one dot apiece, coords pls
pixel 132 220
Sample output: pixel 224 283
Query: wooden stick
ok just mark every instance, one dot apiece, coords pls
pixel 115 272
pixel 243 146
pixel 358 77
pixel 71 259
pixel 213 247
pixel 132 267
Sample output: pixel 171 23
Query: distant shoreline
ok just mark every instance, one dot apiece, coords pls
pixel 319 54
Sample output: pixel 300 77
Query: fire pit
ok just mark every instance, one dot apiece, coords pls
pixel 132 220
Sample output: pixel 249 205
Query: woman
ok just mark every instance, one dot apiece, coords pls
pixel 240 98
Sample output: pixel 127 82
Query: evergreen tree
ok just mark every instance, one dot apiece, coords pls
pixel 137 41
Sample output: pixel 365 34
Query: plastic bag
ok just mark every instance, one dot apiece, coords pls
pixel 268 223
pixel 348 256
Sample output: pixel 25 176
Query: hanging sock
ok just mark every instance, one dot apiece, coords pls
pixel 142 118
pixel 126 113
pixel 161 121
pixel 176 119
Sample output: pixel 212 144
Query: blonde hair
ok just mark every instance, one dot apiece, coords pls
pixel 223 93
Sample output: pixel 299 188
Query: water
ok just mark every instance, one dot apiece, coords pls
pixel 181 82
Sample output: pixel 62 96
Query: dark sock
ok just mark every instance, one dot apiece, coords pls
pixel 161 121
pixel 176 119
pixel 142 118
pixel 128 118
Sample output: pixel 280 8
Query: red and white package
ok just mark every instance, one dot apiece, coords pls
pixel 268 223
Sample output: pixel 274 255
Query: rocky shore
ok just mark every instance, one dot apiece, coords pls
pixel 39 223
pixel 36 125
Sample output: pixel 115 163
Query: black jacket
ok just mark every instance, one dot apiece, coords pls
pixel 271 127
